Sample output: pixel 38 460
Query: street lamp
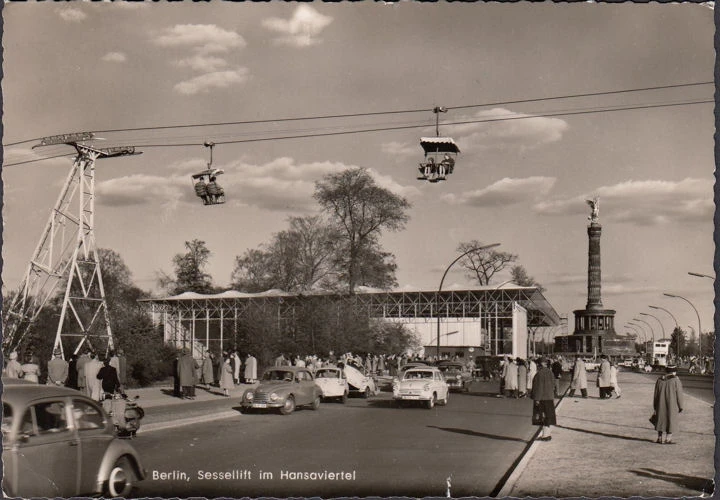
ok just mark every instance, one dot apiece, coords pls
pixel 671 314
pixel 640 330
pixel 700 275
pixel 656 318
pixel 696 313
pixel 652 332
pixel 437 296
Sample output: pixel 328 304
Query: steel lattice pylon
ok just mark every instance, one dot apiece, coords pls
pixel 66 256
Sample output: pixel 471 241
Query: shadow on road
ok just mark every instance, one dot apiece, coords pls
pixel 703 485
pixel 468 432
pixel 605 434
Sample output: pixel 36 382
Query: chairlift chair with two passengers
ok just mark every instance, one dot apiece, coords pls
pixel 209 191
pixel 440 153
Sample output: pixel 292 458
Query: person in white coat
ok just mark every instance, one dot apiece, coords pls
pixel 613 379
pixel 93 384
pixel 532 370
pixel 236 365
pixel 579 378
pixel 250 369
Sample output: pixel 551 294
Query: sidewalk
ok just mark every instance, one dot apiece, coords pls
pixel 606 448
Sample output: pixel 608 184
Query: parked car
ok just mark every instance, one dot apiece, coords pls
pixel 332 383
pixel 591 365
pixel 283 388
pixel 360 383
pixel 457 375
pixel 422 384
pixel 59 443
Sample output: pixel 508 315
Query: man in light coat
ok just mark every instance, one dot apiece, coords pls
pixel 511 378
pixel 250 369
pixel 57 369
pixel 93 385
pixel 13 368
pixel 579 378
pixel 604 381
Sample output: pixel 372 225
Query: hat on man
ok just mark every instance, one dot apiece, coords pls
pixel 57 352
pixel 671 368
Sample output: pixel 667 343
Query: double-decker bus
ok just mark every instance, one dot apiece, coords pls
pixel 658 353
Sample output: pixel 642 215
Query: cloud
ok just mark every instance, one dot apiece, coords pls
pixel 387 182
pixel 506 191
pixel 400 149
pixel 72 15
pixel 117 57
pixel 214 80
pixel 506 128
pixel 301 30
pixel 141 189
pixel 204 63
pixel 645 203
pixel 202 38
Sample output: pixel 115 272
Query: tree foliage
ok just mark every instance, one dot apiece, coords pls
pixel 484 264
pixel 190 275
pixel 359 209
pixel 521 277
pixel 297 259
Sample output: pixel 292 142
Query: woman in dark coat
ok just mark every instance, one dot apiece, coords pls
pixel 542 393
pixel 668 404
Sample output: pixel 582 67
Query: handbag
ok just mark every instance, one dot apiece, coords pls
pixel 538 415
pixel 653 419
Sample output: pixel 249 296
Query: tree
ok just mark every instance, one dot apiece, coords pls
pixel 678 341
pixel 360 210
pixel 297 259
pixel 189 270
pixel 483 264
pixel 521 277
pixel 374 267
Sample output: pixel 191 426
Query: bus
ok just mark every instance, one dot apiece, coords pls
pixel 658 352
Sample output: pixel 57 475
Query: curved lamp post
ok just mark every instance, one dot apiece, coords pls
pixel 638 331
pixel 671 314
pixel 662 328
pixel 437 296
pixel 652 332
pixel 700 275
pixel 696 313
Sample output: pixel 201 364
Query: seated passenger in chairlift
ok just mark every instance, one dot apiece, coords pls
pixel 216 193
pixel 201 190
pixel 430 168
pixel 447 164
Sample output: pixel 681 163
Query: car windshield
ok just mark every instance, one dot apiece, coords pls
pixel 276 375
pixel 413 375
pixel 449 368
pixel 327 374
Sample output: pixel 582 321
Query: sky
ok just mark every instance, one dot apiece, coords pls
pixel 521 182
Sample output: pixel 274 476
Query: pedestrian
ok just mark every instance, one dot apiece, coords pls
pixel 556 368
pixel 13 368
pixel 542 394
pixel 122 367
pixel 579 378
pixel 603 378
pixel 511 378
pixel 57 369
pixel 667 404
pixel 532 370
pixel 72 380
pixel 522 378
pixel 82 361
pixel 186 374
pixel 614 380
pixel 226 377
pixel 250 369
pixel 177 388
pixel 93 386
pixel 109 380
pixel 31 369
pixel 206 370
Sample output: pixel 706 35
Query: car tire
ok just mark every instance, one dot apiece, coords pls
pixel 447 397
pixel 466 387
pixel 367 393
pixel 430 404
pixel 316 403
pixel 289 406
pixel 344 398
pixel 121 479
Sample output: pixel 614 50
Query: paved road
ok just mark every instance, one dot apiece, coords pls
pixel 474 440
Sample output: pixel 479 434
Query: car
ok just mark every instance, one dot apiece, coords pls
pixel 283 388
pixel 358 382
pixel 457 375
pixel 425 384
pixel 591 365
pixel 332 383
pixel 57 442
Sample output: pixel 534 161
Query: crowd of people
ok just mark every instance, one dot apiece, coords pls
pixel 87 372
pixel 211 370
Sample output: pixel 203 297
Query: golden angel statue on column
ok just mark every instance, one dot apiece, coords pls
pixel 595 207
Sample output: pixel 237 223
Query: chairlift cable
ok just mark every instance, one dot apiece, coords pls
pixel 376 113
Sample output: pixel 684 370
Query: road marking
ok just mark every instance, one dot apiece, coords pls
pixel 158 426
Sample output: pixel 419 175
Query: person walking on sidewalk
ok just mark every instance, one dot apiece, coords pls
pixel 667 404
pixel 186 374
pixel 613 379
pixel 603 378
pixel 579 378
pixel 542 394
pixel 522 378
pixel 511 378
pixel 226 377
pixel 556 369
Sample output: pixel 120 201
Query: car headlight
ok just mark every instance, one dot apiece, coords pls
pixel 274 397
pixel 426 387
pixel 249 395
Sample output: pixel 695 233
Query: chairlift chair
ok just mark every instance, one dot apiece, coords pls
pixel 212 193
